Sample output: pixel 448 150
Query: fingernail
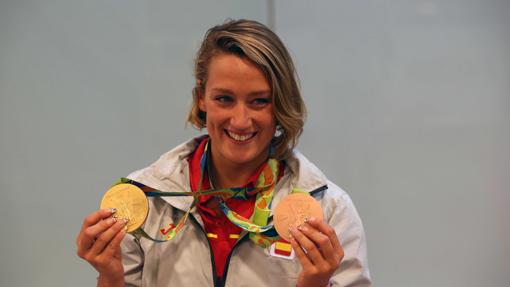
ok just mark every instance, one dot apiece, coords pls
pixel 125 221
pixel 112 220
pixel 306 219
pixel 302 228
pixel 112 210
pixel 312 219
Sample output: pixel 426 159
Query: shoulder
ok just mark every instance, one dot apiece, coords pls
pixel 169 168
pixel 337 203
pixel 305 175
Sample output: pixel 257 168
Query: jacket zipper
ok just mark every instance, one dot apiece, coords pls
pixel 213 270
pixel 225 272
pixel 318 190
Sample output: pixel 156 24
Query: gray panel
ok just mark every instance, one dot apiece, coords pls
pixel 410 113
pixel 89 91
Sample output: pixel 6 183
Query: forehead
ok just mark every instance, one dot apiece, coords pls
pixel 230 71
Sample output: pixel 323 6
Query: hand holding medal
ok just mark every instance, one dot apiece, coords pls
pixel 99 244
pixel 124 208
pixel 299 219
pixel 293 211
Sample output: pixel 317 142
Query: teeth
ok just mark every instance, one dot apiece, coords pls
pixel 238 137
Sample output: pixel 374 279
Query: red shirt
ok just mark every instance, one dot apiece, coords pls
pixel 221 233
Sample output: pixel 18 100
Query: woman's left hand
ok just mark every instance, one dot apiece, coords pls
pixel 319 251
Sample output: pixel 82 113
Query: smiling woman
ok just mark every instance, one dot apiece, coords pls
pixel 239 118
pixel 247 97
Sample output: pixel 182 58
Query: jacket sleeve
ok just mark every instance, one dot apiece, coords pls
pixel 132 260
pixel 342 216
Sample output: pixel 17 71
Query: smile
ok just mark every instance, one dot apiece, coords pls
pixel 240 137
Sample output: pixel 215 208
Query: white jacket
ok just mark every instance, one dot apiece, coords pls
pixel 186 260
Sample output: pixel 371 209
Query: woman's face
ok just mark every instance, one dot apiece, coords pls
pixel 240 118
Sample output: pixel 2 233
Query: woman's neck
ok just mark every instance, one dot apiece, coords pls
pixel 226 175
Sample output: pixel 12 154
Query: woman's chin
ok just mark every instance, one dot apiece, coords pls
pixel 244 158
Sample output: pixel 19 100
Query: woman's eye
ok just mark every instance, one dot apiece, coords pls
pixel 223 99
pixel 261 101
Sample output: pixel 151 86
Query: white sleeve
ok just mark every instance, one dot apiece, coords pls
pixel 132 260
pixel 342 216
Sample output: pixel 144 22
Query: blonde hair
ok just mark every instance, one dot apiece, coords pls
pixel 254 41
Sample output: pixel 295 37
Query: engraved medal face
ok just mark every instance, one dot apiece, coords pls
pixel 293 210
pixel 130 202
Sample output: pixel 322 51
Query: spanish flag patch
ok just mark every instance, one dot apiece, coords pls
pixel 282 249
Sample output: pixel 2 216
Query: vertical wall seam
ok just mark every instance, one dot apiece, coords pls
pixel 271 14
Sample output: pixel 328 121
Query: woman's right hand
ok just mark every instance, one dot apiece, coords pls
pixel 99 244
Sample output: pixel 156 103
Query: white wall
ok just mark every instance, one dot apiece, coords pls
pixel 409 112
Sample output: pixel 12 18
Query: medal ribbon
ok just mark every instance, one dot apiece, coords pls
pixel 259 231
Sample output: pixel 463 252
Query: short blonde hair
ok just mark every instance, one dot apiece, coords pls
pixel 256 42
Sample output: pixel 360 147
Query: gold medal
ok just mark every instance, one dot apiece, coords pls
pixel 293 211
pixel 130 202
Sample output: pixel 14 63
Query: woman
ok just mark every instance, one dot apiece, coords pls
pixel 247 97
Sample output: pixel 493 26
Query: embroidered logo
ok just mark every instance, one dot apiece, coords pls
pixel 165 231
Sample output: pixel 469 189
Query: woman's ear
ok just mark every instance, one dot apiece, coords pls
pixel 201 96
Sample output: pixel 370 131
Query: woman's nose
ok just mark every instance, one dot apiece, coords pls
pixel 240 118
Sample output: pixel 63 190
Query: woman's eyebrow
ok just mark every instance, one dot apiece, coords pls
pixel 261 93
pixel 254 93
pixel 222 90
